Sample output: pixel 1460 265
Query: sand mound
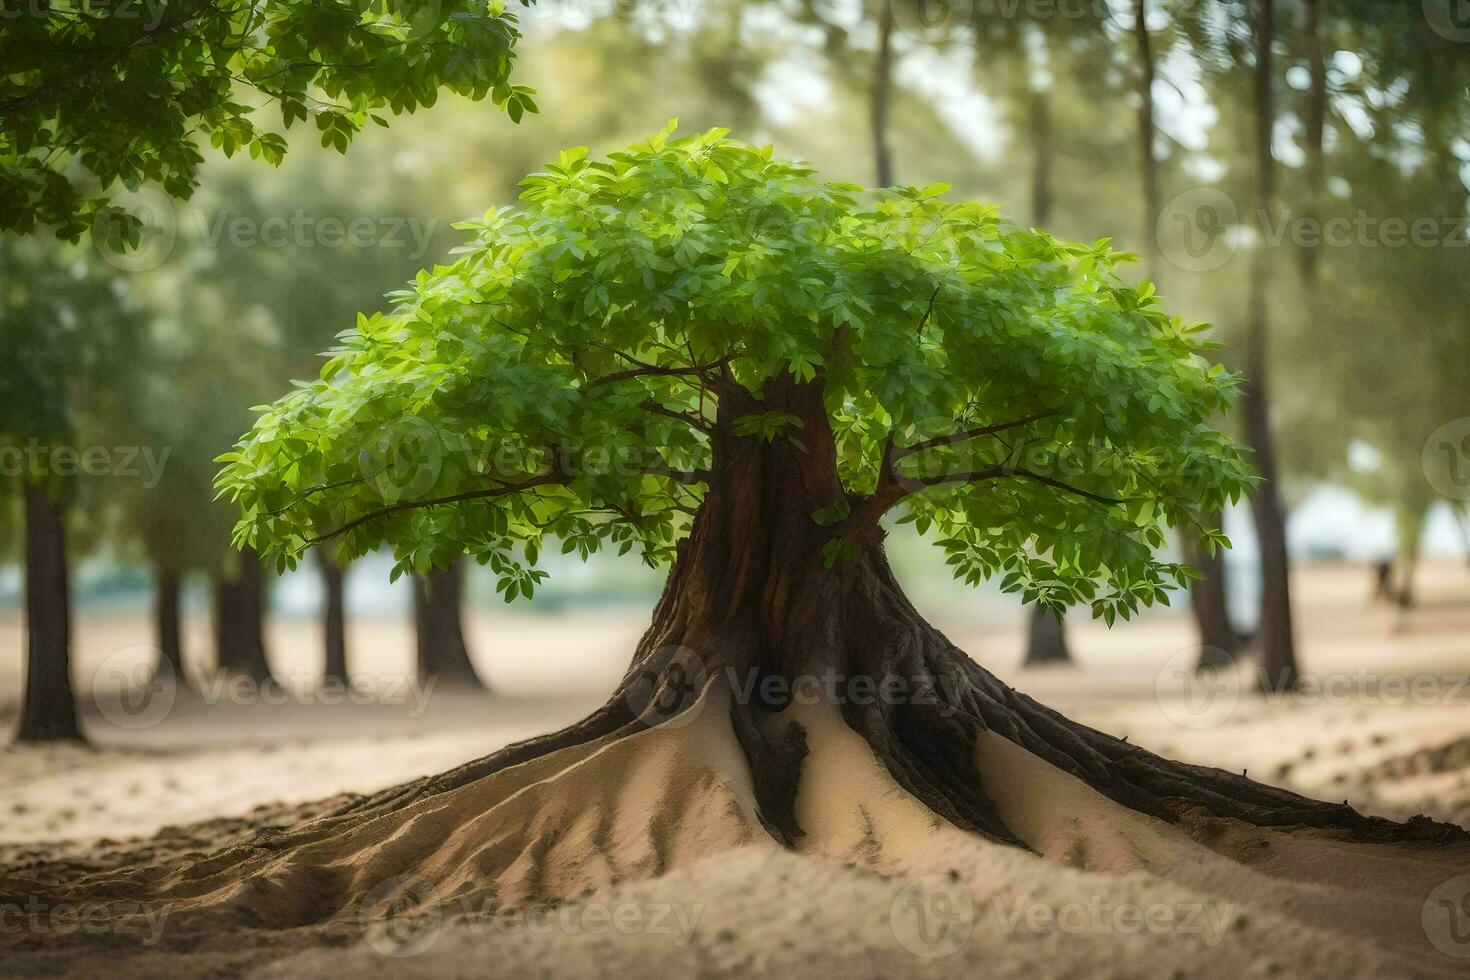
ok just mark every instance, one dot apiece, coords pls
pixel 644 852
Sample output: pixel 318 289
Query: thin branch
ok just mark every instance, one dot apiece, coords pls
pixel 548 479
pixel 967 434
pixel 652 370
pixel 703 425
pixel 979 476
pixel 302 495
pixel 686 477
pixel 923 322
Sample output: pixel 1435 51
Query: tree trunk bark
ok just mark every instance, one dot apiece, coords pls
pixel 167 629
pixel 48 711
pixel 334 617
pixel 1275 634
pixel 1409 526
pixel 239 620
pixel 1047 639
pixel 882 83
pixel 443 656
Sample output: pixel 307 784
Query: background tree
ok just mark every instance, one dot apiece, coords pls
pixel 438 601
pixel 97 94
pixel 68 330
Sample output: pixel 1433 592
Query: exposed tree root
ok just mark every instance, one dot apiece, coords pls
pixel 703 747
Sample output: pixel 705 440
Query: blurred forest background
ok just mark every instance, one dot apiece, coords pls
pixel 1333 270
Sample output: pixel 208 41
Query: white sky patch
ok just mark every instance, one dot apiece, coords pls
pixel 1182 107
pixel 793 86
pixel 946 79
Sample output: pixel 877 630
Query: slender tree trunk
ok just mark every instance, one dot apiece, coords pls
pixel 334 616
pixel 1046 639
pixel 1315 124
pixel 1275 635
pixel 167 629
pixel 438 598
pixel 1148 161
pixel 239 620
pixel 1409 521
pixel 1041 153
pixel 1219 640
pixel 882 83
pixel 48 712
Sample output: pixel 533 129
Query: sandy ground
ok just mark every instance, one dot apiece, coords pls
pixel 1383 722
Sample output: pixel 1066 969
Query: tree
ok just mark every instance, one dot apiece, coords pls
pixel 1274 634
pixel 1219 640
pixel 68 331
pixel 334 617
pixel 97 94
pixel 703 351
pixel 240 600
pixel 438 600
pixel 1046 639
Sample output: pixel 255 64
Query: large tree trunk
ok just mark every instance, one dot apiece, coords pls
pixel 239 619
pixel 1275 635
pixel 48 711
pixel 438 599
pixel 167 626
pixel 753 610
pixel 334 616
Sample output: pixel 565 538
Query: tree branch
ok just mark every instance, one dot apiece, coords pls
pixel 980 476
pixel 686 477
pixel 547 479
pixel 693 421
pixel 653 370
pixel 966 435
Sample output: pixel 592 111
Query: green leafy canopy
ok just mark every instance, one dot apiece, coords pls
pixel 1007 392
pixel 94 94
